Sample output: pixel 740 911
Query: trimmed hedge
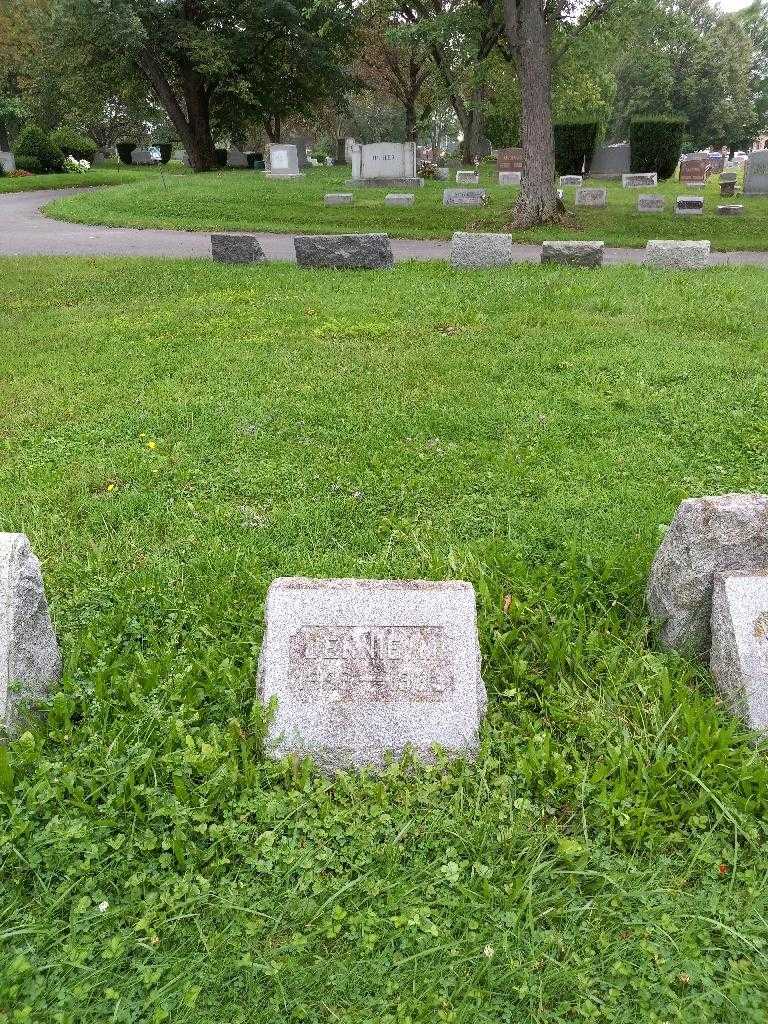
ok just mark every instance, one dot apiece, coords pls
pixel 34 144
pixel 73 143
pixel 124 150
pixel 574 145
pixel 657 142
pixel 29 163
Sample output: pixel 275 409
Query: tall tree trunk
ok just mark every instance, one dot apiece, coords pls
pixel 410 120
pixel 192 120
pixel 529 37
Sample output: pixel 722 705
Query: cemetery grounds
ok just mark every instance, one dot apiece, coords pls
pixel 175 435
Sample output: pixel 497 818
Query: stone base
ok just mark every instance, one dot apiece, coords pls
pixel 283 174
pixel 481 250
pixel 573 254
pixel 670 254
pixel 344 252
pixel 236 249
pixel 339 199
pixel 385 182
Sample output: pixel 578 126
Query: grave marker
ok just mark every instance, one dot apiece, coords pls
pixel 464 196
pixel 689 206
pixel 756 174
pixel 467 178
pixel 481 250
pixel 669 254
pixel 739 654
pixel 571 180
pixel 344 252
pixel 509 159
pixel 507 178
pixel 650 204
pixel 385 164
pixel 236 249
pixel 595 197
pixel 573 254
pixel 639 180
pixel 282 161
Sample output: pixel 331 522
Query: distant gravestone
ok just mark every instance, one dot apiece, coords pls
pixel 399 199
pixel 339 198
pixel 141 157
pixel 732 210
pixel 464 196
pixel 708 537
pixel 344 252
pixel 727 189
pixel 236 159
pixel 689 206
pixel 467 178
pixel 442 173
pixel 300 142
pixel 669 254
pixel 650 204
pixel 595 197
pixel 349 146
pixel 573 254
pixel 639 180
pixel 236 249
pixel 693 172
pixel 385 164
pixel 729 176
pixel 30 660
pixel 571 180
pixel 7 161
pixel 610 161
pixel 509 159
pixel 282 161
pixel 361 670
pixel 508 178
pixel 479 251
pixel 756 174
pixel 739 653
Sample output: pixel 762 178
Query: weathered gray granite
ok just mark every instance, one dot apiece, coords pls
pixel 464 196
pixel 442 173
pixel 739 654
pixel 650 204
pixel 730 210
pixel 236 249
pixel 508 178
pixel 344 252
pixel 399 199
pixel 596 197
pixel 573 254
pixel 709 536
pixel 467 178
pixel 756 174
pixel 689 206
pixel 480 250
pixel 610 161
pixel 639 180
pixel 673 254
pixel 30 660
pixel 363 669
pixel 571 180
pixel 339 198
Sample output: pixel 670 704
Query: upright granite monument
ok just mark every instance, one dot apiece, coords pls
pixel 282 161
pixel 384 164
pixel 756 174
pixel 610 162
pixel 362 669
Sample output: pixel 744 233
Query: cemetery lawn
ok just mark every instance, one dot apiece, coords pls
pixel 177 434
pixel 247 201
pixel 112 174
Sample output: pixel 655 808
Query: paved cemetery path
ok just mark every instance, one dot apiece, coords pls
pixel 24 231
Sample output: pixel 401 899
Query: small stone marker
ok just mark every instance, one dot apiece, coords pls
pixel 610 161
pixel 362 669
pixel 481 250
pixel 282 161
pixel 571 180
pixel 467 178
pixel 236 249
pixel 689 206
pixel 339 198
pixel 573 254
pixel 464 196
pixel 727 533
pixel 728 176
pixel 733 210
pixel 650 204
pixel 507 178
pixel 442 173
pixel 739 655
pixel 639 180
pixel 595 197
pixel 669 254
pixel 30 660
pixel 399 199
pixel 727 189
pixel 344 252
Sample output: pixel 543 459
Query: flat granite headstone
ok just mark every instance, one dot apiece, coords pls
pixel 236 249
pixel 573 254
pixel 363 669
pixel 464 196
pixel 673 254
pixel 732 210
pixel 339 198
pixel 510 178
pixel 756 174
pixel 709 536
pixel 481 250
pixel 728 176
pixel 344 252
pixel 596 197
pixel 739 654
pixel 467 178
pixel 399 199
pixel 571 180
pixel 30 660
pixel 650 204
pixel 639 180
pixel 689 206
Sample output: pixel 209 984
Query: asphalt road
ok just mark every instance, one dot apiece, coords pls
pixel 24 231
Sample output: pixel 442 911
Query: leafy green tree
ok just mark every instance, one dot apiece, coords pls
pixel 755 21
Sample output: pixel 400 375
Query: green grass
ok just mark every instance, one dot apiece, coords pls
pixel 175 435
pixel 247 201
pixel 112 174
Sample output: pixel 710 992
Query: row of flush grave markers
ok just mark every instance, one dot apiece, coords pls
pixel 469 251
pixel 360 670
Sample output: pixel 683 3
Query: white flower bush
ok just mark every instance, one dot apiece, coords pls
pixel 73 166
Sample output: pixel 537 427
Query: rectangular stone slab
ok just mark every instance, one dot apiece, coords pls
pixel 399 199
pixel 236 249
pixel 467 178
pixel 674 254
pixel 344 252
pixel 639 180
pixel 481 250
pixel 739 653
pixel 339 198
pixel 361 669
pixel 687 206
pixel 573 254
pixel 596 197
pixel 463 196
pixel 507 178
pixel 650 204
